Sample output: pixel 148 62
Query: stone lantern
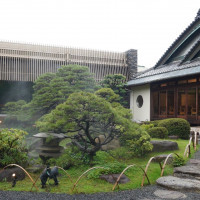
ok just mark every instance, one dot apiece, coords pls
pixel 50 145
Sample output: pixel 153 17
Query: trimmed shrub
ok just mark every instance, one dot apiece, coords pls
pixel 110 168
pixel 147 126
pixel 137 140
pixel 155 123
pixel 176 126
pixel 178 161
pixel 158 132
pixel 152 123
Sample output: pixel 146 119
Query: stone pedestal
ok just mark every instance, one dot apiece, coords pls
pixel 50 145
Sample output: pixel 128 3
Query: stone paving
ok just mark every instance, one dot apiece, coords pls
pixel 186 178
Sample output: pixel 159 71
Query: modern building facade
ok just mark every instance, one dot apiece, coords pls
pixel 25 62
pixel 21 64
pixel 171 88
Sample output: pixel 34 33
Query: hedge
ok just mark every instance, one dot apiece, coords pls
pixel 176 126
pixel 158 132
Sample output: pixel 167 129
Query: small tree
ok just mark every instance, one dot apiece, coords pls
pixel 83 117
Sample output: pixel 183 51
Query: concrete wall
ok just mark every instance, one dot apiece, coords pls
pixel 142 113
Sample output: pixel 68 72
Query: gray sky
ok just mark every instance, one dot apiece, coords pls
pixel 150 26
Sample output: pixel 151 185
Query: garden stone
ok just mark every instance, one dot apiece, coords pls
pixel 112 178
pixel 159 146
pixel 193 162
pixel 161 158
pixel 189 171
pixel 176 183
pixel 167 194
pixel 6 174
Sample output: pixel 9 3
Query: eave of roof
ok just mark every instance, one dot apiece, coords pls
pixel 165 75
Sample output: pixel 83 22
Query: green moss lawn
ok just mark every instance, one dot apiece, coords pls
pixel 87 185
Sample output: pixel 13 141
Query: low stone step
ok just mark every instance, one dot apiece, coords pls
pixel 169 194
pixel 188 171
pixel 193 162
pixel 176 183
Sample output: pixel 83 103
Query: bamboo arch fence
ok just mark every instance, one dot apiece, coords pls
pixel 193 139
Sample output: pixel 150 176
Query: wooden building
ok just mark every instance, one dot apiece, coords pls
pixel 171 88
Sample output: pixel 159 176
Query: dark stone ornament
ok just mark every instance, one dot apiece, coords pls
pixel 6 174
pixel 49 173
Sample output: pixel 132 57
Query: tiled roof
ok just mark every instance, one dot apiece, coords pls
pixel 172 71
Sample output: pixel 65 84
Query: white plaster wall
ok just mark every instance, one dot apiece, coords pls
pixel 143 113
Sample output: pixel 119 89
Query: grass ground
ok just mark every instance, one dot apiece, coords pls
pixel 86 185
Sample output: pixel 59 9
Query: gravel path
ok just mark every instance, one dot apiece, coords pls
pixel 146 193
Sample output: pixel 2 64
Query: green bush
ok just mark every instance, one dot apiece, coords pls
pixel 121 153
pixel 178 161
pixel 147 126
pixel 154 123
pixel 176 126
pixel 12 147
pixel 158 132
pixel 102 157
pixel 71 157
pixel 110 168
pixel 137 140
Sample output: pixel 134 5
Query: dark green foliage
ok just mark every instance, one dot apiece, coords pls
pixel 176 126
pixel 147 126
pixel 108 94
pixel 110 168
pixel 122 153
pixel 102 157
pixel 154 123
pixel 12 148
pixel 83 117
pixel 137 140
pixel 71 157
pixel 158 132
pixel 13 108
pixel 117 83
pixel 178 161
pixel 51 89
